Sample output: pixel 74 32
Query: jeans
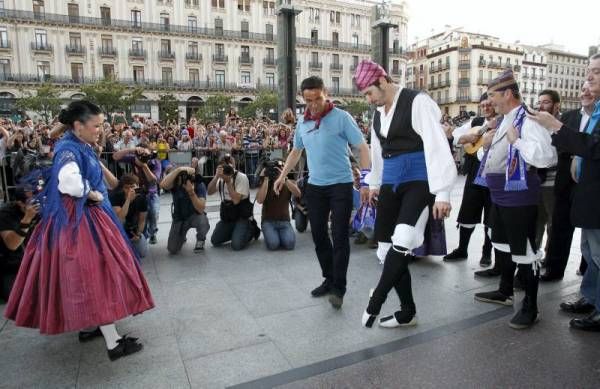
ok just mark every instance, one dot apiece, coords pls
pixel 278 234
pixel 251 162
pixel 141 246
pixel 590 248
pixel 323 201
pixel 153 212
pixel 239 233
pixel 179 229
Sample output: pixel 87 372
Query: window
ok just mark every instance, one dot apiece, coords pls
pixel 136 18
pixel 244 5
pixel 105 15
pixel 220 78
pixel 108 70
pixel 107 43
pixel 336 59
pixel 4 69
pixel 75 39
pixel 268 8
pixel 43 70
pixel 313 15
pixel 193 49
pixel 73 11
pixel 164 21
pixel 335 82
pixel 271 80
pixel 41 39
pixel 219 26
pixel 165 46
pixel 355 20
pixel 335 37
pixel 219 50
pixel 192 24
pixel 245 54
pixel 137 45
pixel 355 40
pixel 355 61
pixel 218 4
pixel 314 37
pixel 335 17
pixel 245 78
pixel 38 8
pixel 167 75
pixel 138 74
pixel 194 76
pixel 270 54
pixel 77 72
pixel 269 31
pixel 3 37
pixel 314 57
pixel 396 46
pixel 245 29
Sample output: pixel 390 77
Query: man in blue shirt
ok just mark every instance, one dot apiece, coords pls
pixel 325 132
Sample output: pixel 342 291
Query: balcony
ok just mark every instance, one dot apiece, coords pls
pixel 525 76
pixel 525 90
pixel 534 77
pixel 166 55
pixel 443 84
pixel 482 63
pixel 483 81
pixel 220 59
pixel 353 67
pixel 494 64
pixel 439 67
pixel 192 56
pixel 541 78
pixel 75 50
pixel 192 3
pixel 395 71
pixel 246 60
pixel 5 45
pixel 464 82
pixel 315 65
pixel 432 86
pixel 269 61
pixel 137 54
pixel 463 99
pixel 39 47
pixel 107 52
pixel 336 67
pixel 464 64
pixel 332 44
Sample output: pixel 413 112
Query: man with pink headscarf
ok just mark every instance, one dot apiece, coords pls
pixel 412 174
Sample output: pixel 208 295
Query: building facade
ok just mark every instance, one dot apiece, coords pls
pixel 566 74
pixel 534 77
pixel 190 48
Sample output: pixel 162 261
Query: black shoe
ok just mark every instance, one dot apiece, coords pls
pixel 549 277
pixel 321 290
pixel 456 255
pixel 399 319
pixel 524 319
pixel 125 346
pixel 579 306
pixel 153 239
pixel 494 297
pixel 256 233
pixel 336 300
pixel 360 239
pixel 517 284
pixel 488 273
pixel 590 323
pixel 199 246
pixel 485 261
pixel 86 336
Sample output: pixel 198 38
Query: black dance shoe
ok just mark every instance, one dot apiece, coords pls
pixel 321 290
pixel 456 255
pixel 579 306
pixel 86 336
pixel 125 346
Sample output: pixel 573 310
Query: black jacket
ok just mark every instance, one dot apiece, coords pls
pixel 564 184
pixel 585 212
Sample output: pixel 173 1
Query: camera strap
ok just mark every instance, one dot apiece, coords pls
pixel 222 187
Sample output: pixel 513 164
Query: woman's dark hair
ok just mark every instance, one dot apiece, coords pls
pixel 78 111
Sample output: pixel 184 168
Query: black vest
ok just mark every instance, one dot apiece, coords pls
pixel 401 137
pixel 471 164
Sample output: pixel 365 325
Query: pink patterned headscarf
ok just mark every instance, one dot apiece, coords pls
pixel 367 72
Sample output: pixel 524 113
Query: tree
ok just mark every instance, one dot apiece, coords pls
pixel 264 102
pixel 357 108
pixel 214 108
pixel 45 101
pixel 168 108
pixel 112 96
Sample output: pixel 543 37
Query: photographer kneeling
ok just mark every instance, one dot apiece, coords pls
pixel 276 226
pixel 236 210
pixel 188 208
pixel 131 207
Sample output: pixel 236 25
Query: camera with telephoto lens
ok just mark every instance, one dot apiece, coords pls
pixel 145 158
pixel 272 169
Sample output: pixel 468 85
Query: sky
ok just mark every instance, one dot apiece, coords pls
pixel 573 23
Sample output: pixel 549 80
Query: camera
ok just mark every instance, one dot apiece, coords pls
pixel 272 169
pixel 144 158
pixel 228 170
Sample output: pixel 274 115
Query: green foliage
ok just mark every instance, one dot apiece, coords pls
pixel 357 107
pixel 214 108
pixel 168 108
pixel 45 101
pixel 264 102
pixel 112 96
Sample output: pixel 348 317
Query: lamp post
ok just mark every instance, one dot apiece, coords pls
pixel 381 34
pixel 286 54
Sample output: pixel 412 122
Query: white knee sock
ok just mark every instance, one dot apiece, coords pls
pixel 110 334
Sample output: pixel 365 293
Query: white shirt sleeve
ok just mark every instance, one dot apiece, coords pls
pixel 480 153
pixel 535 145
pixel 460 131
pixel 374 177
pixel 70 181
pixel 441 169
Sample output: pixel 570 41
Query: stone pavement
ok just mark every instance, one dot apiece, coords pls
pixel 225 318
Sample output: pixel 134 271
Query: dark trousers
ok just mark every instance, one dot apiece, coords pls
pixel 333 257
pixel 561 237
pixel 239 233
pixel 528 278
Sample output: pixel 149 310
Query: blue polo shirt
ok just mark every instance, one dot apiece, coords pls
pixel 327 150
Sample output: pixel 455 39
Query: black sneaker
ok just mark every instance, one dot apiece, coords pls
pixel 488 273
pixel 86 336
pixel 199 246
pixel 321 290
pixel 456 255
pixel 494 297
pixel 125 346
pixel 485 261
pixel 153 239
pixel 524 319
pixel 336 300
pixel 399 319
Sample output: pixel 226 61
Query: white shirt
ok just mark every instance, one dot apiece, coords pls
pixel 585 118
pixel 70 181
pixel 426 115
pixel 242 186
